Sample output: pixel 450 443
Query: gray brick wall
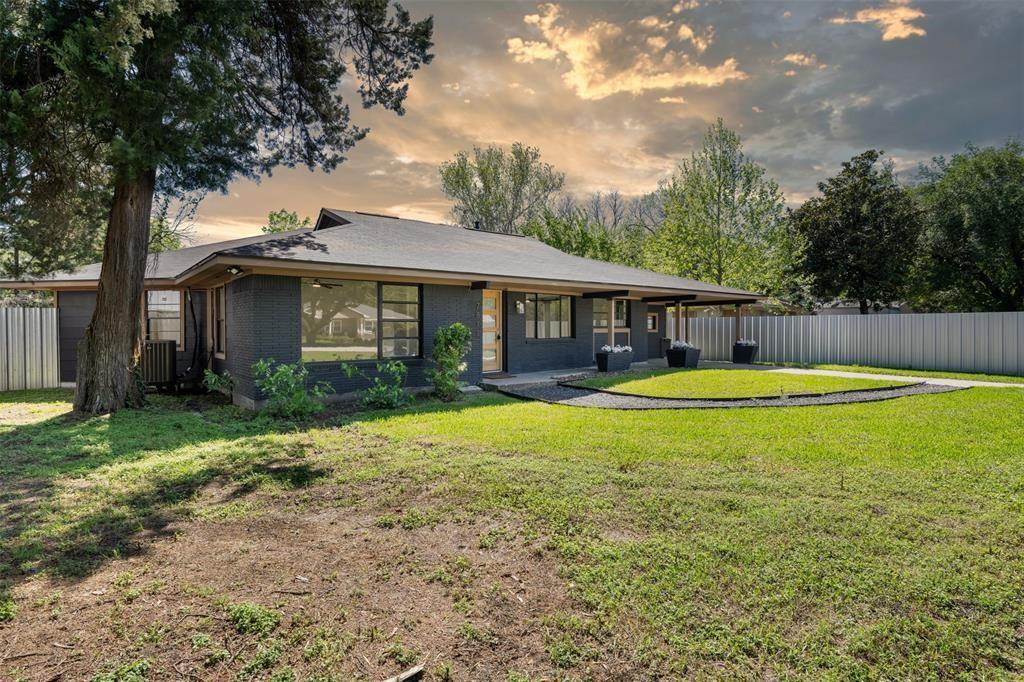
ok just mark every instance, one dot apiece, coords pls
pixel 75 313
pixel 638 330
pixel 442 305
pixel 536 355
pixel 654 338
pixel 263 321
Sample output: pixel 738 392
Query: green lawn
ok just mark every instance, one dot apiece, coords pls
pixel 970 376
pixel 727 383
pixel 877 540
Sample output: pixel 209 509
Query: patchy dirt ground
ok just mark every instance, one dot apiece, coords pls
pixel 469 601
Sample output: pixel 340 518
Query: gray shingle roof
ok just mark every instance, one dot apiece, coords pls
pixel 360 239
pixel 170 264
pixel 381 241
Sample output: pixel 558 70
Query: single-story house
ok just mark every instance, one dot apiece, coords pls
pixel 363 287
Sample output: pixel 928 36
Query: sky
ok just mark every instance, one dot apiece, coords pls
pixel 614 94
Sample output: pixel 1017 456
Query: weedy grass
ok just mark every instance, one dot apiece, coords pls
pixel 876 540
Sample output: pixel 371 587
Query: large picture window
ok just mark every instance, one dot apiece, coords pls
pixel 548 316
pixel 356 320
pixel 601 313
pixel 163 316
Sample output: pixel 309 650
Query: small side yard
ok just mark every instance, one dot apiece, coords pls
pixel 496 539
pixel 726 383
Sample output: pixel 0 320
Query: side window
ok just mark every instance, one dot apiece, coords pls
pixel 163 316
pixel 220 326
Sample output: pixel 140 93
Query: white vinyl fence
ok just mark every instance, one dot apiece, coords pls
pixel 28 349
pixel 962 342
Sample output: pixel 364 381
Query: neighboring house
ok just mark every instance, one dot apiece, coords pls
pixel 853 308
pixel 363 287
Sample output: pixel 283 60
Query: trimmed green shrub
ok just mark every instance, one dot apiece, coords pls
pixel 451 344
pixel 387 388
pixel 289 393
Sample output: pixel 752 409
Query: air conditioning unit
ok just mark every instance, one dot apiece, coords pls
pixel 159 362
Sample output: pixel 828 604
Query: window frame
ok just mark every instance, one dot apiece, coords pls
pixel 533 324
pixel 215 336
pixel 655 328
pixel 628 318
pixel 179 346
pixel 379 322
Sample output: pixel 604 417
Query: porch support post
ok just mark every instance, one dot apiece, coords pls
pixel 739 319
pixel 686 312
pixel 611 321
pixel 679 321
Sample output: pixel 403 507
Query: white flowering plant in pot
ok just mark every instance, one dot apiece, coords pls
pixel 744 351
pixel 614 358
pixel 682 354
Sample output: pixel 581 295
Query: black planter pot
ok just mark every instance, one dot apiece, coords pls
pixel 743 354
pixel 613 362
pixel 676 357
pixel 683 357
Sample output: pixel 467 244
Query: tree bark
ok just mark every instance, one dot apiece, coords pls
pixel 108 355
pixel 863 306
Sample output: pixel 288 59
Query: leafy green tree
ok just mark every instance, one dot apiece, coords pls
pixel 502 191
pixel 575 233
pixel 974 230
pixel 187 94
pixel 861 234
pixel 285 221
pixel 725 221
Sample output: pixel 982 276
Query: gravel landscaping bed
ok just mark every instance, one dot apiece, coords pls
pixel 565 394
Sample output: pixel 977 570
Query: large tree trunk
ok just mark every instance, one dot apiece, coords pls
pixel 863 306
pixel 109 353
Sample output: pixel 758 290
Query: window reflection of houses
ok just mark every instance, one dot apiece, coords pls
pixel 356 321
pixel 359 320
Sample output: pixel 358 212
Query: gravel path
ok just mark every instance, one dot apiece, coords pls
pixel 564 394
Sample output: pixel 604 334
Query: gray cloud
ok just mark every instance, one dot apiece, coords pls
pixel 914 97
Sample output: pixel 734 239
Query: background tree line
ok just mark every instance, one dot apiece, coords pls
pixel 953 240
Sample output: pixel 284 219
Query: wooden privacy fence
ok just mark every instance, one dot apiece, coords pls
pixel 961 342
pixel 28 348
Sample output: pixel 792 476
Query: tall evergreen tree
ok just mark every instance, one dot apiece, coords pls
pixel 189 94
pixel 861 234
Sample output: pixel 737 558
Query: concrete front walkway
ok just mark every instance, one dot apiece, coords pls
pixel 553 376
pixel 935 381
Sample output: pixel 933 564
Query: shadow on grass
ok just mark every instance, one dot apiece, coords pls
pixel 43 529
pixel 57 516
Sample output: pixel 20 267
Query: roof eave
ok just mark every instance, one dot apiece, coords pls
pixel 199 272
